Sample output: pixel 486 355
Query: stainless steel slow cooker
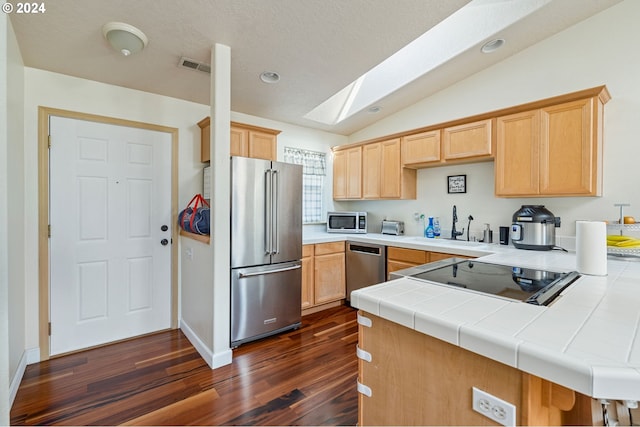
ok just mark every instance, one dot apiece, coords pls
pixel 534 227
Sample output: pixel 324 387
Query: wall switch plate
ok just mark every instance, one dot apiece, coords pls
pixel 494 408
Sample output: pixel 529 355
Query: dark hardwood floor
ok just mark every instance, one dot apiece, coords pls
pixel 302 377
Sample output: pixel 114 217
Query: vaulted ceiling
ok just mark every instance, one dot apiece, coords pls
pixel 317 46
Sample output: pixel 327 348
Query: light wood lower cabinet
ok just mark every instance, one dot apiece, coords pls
pixel 415 379
pixel 307 276
pixel 323 274
pixel 401 258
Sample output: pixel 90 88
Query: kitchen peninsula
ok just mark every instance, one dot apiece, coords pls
pixel 424 346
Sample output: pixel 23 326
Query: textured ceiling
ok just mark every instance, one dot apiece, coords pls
pixel 317 46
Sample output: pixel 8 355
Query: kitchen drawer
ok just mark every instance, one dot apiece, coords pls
pixel 329 248
pixel 437 256
pixel 407 255
pixel 307 251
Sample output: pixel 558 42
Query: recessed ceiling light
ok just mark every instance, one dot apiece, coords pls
pixel 374 109
pixel 492 46
pixel 270 77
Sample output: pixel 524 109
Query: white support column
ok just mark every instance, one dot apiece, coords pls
pixel 220 200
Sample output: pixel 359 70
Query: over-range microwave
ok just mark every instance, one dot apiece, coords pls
pixel 346 222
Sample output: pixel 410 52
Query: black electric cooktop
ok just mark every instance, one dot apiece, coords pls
pixel 530 285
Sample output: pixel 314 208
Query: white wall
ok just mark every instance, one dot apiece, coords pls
pixel 43 88
pixel 16 204
pixel 12 247
pixel 600 50
pixel 4 222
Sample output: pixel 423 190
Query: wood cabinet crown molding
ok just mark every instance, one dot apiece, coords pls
pixel 601 92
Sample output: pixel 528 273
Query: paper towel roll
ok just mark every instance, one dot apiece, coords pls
pixel 591 247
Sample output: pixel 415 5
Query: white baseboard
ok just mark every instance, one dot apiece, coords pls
pixel 30 356
pixel 33 355
pixel 17 378
pixel 201 347
pixel 222 358
pixel 214 360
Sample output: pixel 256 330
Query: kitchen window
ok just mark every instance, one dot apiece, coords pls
pixel 314 168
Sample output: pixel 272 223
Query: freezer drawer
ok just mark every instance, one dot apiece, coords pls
pixel 264 301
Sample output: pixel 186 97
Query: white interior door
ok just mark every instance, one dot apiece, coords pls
pixel 110 200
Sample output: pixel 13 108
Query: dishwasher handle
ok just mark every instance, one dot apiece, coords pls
pixel 367 250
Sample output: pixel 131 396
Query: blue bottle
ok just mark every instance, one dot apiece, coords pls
pixel 429 232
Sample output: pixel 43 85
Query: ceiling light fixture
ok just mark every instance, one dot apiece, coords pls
pixel 270 77
pixel 124 38
pixel 492 46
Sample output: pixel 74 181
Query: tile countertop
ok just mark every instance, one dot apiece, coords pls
pixel 588 339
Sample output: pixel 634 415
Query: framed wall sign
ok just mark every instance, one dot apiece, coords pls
pixel 457 183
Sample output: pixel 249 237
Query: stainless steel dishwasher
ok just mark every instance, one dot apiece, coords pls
pixel 366 265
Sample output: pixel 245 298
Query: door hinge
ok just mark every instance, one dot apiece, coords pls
pixel 48 230
pixel 48 141
pixel 49 328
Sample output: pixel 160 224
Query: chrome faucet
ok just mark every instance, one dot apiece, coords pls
pixel 454 233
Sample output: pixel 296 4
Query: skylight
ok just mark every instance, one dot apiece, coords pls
pixel 472 25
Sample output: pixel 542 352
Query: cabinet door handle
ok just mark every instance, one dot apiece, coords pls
pixel 363 355
pixel 364 321
pixel 363 389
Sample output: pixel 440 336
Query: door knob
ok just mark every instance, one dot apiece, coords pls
pixel 164 228
pixel 164 242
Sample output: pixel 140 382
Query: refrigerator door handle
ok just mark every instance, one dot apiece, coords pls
pixel 262 273
pixel 268 217
pixel 275 216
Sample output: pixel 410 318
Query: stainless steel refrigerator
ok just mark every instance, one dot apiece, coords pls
pixel 266 248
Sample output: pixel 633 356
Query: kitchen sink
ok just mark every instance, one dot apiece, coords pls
pixel 445 242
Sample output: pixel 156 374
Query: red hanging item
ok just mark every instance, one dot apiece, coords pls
pixel 196 219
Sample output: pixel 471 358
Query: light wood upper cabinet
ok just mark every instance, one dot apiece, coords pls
pixel 551 151
pixel 570 149
pixel 392 185
pixel 205 136
pixel 254 142
pixel 382 175
pixel 421 149
pixel 245 141
pixel 347 173
pixel 239 142
pixel 517 163
pixel 371 172
pixel 468 140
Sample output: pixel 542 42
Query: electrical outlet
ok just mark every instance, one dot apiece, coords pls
pixel 494 408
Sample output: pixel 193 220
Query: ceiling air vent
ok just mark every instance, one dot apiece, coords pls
pixel 194 65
